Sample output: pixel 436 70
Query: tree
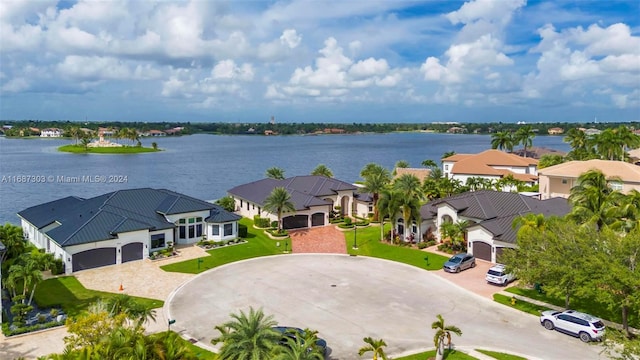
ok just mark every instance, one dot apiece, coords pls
pixel 443 335
pixel 86 140
pixel 90 329
pixel 400 164
pixel 503 140
pixel 593 201
pixel 154 145
pixel 299 347
pixel 388 206
pixel 547 160
pixel 375 346
pixel 322 170
pixel 609 145
pixel 275 173
pixel 247 336
pixel 125 304
pixel 277 202
pixel 524 135
pixel 428 163
pixel 628 140
pixel 448 154
pixel 227 203
pixel 376 179
pixel 408 190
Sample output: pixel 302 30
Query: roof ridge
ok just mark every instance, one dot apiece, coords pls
pixel 84 224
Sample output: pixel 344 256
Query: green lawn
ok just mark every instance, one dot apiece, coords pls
pixel 258 245
pixel 589 306
pixel 368 241
pixel 500 356
pixel 198 351
pixel 520 305
pixel 68 293
pixel 80 149
pixel 448 355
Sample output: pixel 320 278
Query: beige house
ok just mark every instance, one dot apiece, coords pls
pixel 557 180
pixel 491 164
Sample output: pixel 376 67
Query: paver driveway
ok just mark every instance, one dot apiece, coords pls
pixel 323 239
pixel 347 298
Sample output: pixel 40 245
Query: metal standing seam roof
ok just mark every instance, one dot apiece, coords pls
pixel 305 191
pixel 103 217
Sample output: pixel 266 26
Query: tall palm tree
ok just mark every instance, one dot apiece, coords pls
pixel 375 346
pixel 409 192
pixel 629 212
pixel 278 202
pixel 322 170
pixel 502 140
pixel 628 140
pixel 593 201
pixel 609 145
pixel 376 179
pixel 247 336
pixel 275 173
pixel 524 135
pixel 388 206
pixel 443 335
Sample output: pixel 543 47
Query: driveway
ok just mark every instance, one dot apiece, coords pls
pixel 322 239
pixel 347 298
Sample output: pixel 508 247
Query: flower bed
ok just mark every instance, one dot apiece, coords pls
pixel 210 244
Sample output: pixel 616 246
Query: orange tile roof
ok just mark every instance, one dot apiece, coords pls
pixel 625 171
pixel 420 173
pixel 484 162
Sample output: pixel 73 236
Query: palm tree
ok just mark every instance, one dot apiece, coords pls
pixel 125 304
pixel 609 145
pixel 376 179
pixel 447 154
pixel 388 206
pixel 629 212
pixel 628 140
pixel 593 201
pixel 375 346
pixel 502 140
pixel 277 202
pixel 443 334
pixel 275 173
pixel 524 136
pixel 474 183
pixel 299 347
pixel 428 163
pixel 247 336
pixel 322 170
pixel 408 190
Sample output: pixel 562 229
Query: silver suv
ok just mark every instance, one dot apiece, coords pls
pixel 575 323
pixel 497 275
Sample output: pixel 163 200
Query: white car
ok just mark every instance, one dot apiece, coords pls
pixel 575 323
pixel 497 275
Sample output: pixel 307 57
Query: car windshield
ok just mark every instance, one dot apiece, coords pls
pixel 598 324
pixel 495 273
pixel 455 259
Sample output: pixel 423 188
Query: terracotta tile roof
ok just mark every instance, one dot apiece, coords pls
pixel 420 173
pixel 521 177
pixel 484 162
pixel 457 157
pixel 625 171
pixel 635 153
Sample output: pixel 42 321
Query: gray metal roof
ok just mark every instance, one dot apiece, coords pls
pixel 305 191
pixel 103 217
pixel 219 215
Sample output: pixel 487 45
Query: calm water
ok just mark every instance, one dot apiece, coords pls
pixel 206 166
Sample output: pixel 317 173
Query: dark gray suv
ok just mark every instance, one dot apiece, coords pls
pixel 459 262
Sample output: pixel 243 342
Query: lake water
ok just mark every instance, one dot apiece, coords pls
pixel 206 166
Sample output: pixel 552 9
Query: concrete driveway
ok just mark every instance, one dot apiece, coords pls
pixel 347 298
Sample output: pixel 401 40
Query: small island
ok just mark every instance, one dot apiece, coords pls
pixel 103 146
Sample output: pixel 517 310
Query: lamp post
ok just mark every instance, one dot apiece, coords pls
pixel 355 236
pixel 2 251
pixel 170 322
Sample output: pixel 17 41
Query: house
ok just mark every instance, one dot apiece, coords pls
pixel 557 180
pixel 634 155
pixel 491 164
pixel 156 133
pixel 490 215
pixel 420 173
pixel 314 198
pixel 123 226
pixel 555 131
pixel 51 132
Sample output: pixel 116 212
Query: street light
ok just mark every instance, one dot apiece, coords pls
pixel 170 322
pixel 355 237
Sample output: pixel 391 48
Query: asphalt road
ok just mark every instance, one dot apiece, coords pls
pixel 347 298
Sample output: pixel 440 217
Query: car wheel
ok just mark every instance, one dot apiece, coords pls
pixel 585 337
pixel 473 264
pixel 548 325
pixel 458 269
pixel 505 282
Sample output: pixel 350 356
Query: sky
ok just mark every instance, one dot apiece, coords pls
pixel 345 61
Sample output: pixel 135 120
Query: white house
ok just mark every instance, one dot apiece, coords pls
pixel 314 197
pixel 123 226
pixel 51 132
pixel 492 165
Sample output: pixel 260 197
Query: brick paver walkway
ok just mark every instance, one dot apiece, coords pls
pixel 324 239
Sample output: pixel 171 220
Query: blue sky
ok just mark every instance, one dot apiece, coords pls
pixel 320 61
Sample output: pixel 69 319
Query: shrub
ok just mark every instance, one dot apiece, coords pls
pixel 242 230
pixel 58 267
pixel 423 245
pixel 274 224
pixel 347 221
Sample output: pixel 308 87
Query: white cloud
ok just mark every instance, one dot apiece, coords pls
pixel 291 38
pixel 16 85
pixel 227 69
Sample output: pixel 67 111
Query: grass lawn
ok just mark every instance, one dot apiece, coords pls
pixel 79 149
pixel 589 306
pixel 198 351
pixel 500 356
pixel 68 293
pixel 527 307
pixel 368 241
pixel 448 355
pixel 259 244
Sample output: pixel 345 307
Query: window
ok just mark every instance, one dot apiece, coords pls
pixel 157 241
pixel 198 219
pixel 615 185
pixel 192 220
pixel 370 207
pixel 228 229
pixel 192 231
pixel 446 168
pixel 183 232
pixel 240 203
pixel 198 230
pixel 247 205
pixel 215 230
pixel 182 221
pixel 414 228
pixel 564 181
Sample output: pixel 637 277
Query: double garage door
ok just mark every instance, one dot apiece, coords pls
pixel 302 221
pixel 94 258
pixel 482 250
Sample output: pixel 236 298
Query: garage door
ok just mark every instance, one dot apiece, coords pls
pixel 295 222
pixel 317 219
pixel 482 250
pixel 94 258
pixel 132 252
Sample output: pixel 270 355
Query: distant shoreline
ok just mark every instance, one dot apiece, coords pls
pixel 80 149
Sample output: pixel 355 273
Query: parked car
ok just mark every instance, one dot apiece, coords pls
pixel 293 333
pixel 459 262
pixel 584 326
pixel 498 275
